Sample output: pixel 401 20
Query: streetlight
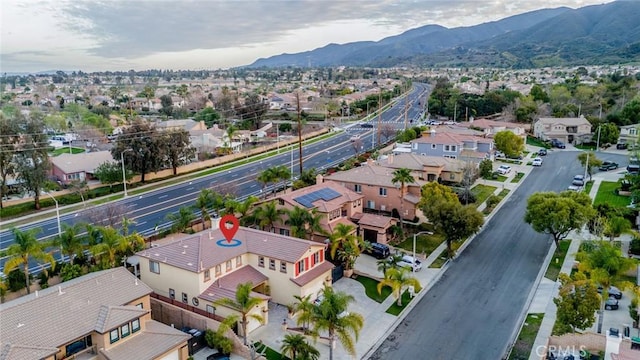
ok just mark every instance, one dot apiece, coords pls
pixel 415 236
pixel 58 219
pixel 124 178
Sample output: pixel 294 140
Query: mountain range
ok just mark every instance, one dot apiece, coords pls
pixel 598 34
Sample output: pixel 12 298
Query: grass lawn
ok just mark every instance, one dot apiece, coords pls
pixel 65 150
pixel 482 192
pixel 537 142
pixel 439 261
pixel 606 194
pixel 588 186
pixel 371 288
pixel 487 210
pixel 586 147
pixel 395 309
pixel 425 244
pixel 558 258
pixel 522 348
pixel 269 353
pixel 518 177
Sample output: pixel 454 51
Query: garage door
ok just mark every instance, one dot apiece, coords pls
pixel 174 355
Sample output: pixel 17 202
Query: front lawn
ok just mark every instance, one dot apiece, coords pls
pixel 482 192
pixel 439 261
pixel 425 244
pixel 65 150
pixel 371 288
pixel 588 186
pixel 488 209
pixel 537 142
pixel 522 347
pixel 556 262
pixel 395 309
pixel 607 194
pixel 269 353
pixel 518 177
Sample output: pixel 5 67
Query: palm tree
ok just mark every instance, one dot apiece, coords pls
pixel 346 245
pixel 616 226
pixel 203 202
pixel 304 306
pixel 297 347
pixel 265 177
pixel 283 174
pixel 267 215
pixel 398 280
pixel 108 247
pixel 389 263
pixel 71 245
pixel 182 219
pixel 26 247
pixel 331 315
pixel 244 304
pixel 93 234
pixel 402 176
pixel 297 222
pixel 313 224
pixel 126 222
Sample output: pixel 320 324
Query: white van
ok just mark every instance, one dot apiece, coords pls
pixel 411 263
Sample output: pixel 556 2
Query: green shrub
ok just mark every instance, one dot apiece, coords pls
pixel 634 247
pixel 493 200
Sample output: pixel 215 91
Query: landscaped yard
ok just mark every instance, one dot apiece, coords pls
pixel 65 150
pixel 588 186
pixel 371 288
pixel 439 261
pixel 488 209
pixel 425 244
pixel 269 353
pixel 606 194
pixel 395 309
pixel 556 262
pixel 522 347
pixel 482 192
pixel 537 142
pixel 517 178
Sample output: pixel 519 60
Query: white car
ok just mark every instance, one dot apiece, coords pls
pixel 410 263
pixel 355 138
pixel 537 162
pixel 504 169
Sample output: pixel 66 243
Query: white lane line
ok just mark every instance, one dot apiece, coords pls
pixel 162 196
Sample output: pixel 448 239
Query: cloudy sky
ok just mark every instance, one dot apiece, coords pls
pixel 95 35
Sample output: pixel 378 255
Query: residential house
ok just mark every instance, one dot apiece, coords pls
pixel 453 145
pixel 105 315
pixel 629 134
pixel 331 202
pixel 182 124
pixel 567 130
pixel 276 103
pixel 429 168
pixel 200 269
pixel 207 140
pixel 491 127
pixel 78 167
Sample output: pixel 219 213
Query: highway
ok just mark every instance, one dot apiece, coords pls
pixel 149 210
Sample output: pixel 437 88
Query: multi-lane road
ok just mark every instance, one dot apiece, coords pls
pixel 149 210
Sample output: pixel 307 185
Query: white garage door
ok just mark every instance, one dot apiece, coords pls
pixel 172 356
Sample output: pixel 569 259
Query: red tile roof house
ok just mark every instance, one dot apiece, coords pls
pixel 453 145
pixel 199 269
pixel 105 315
pixel 78 167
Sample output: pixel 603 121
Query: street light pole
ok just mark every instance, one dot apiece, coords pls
pixel 124 178
pixel 58 220
pixel 415 236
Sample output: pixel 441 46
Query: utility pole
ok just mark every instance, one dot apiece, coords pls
pixel 299 130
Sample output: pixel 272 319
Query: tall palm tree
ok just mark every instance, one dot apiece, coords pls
pixel 313 224
pixel 265 177
pixel 402 176
pixel 108 247
pixel 346 245
pixel 243 303
pixel 389 263
pixel 331 315
pixel 297 222
pixel 304 306
pixel 181 220
pixel 26 247
pixel 93 234
pixel 282 173
pixel 267 215
pixel 69 242
pixel 398 280
pixel 297 347
pixel 126 222
pixel 203 202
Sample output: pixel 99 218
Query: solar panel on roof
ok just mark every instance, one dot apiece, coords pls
pixel 325 194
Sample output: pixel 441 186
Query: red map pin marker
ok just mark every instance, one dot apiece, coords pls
pixel 229 231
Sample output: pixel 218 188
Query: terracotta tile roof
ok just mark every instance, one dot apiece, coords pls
pixel 378 221
pixel 34 321
pixel 473 154
pixel 243 275
pixel 312 274
pixel 323 206
pixel 418 162
pixel 199 252
pixel 446 138
pixel 488 124
pixel 342 220
pixel 368 174
pixel 153 341
pixel 88 161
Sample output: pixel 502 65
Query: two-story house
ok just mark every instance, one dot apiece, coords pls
pixel 453 145
pixel 629 134
pixel 491 127
pixel 429 168
pixel 105 315
pixel 200 269
pixel 568 130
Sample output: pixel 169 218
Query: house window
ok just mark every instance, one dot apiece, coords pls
pixel 450 156
pixel 261 261
pixel 452 176
pixel 284 232
pixel 383 192
pixel 124 330
pixel 172 294
pixel 135 325
pixel 415 146
pixel 371 204
pixel 218 270
pixel 280 202
pixel 272 264
pixel 433 146
pixel 139 306
pixel 154 267
pixel 300 266
pixel 283 267
pixel 632 131
pixel 238 261
pixel 357 188
pixel 228 265
pixel 114 335
pixel 185 298
pixel 211 309
pixel 207 275
pixel 450 148
pixel 316 258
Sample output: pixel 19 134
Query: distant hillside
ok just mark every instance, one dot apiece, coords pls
pixel 608 33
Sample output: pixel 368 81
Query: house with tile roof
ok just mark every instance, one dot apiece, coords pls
pixel 453 145
pixel 78 167
pixel 105 315
pixel 568 130
pixel 429 168
pixel 629 134
pixel 197 270
pixel 491 127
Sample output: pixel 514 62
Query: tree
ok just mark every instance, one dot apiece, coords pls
pixel 9 128
pixel 149 93
pixel 608 132
pixel 576 303
pixel 167 105
pixel 390 262
pixel 486 168
pixel 594 162
pixel 111 173
pixel 304 306
pixel 78 187
pixel 398 280
pixel 282 173
pixel 33 160
pixel 346 245
pixel 181 220
pixel 303 223
pixel 148 148
pixel 267 215
pixel 456 222
pixel 558 214
pixel 203 202
pixel 107 249
pixel 402 176
pixel 209 116
pixel 178 148
pixel 26 247
pixel 244 303
pixel 331 316
pixel 297 347
pixel 509 143
pixel 69 242
pixel 266 177
pixel 616 226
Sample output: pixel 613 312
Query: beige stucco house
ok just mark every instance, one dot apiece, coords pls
pixel 67 168
pixel 428 168
pixel 200 269
pixel 491 127
pixel 568 130
pixel 105 315
pixel 629 134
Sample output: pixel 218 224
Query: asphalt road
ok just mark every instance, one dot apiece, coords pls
pixel 474 309
pixel 149 210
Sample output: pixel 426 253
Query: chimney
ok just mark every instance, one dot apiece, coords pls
pixel 433 132
pixel 319 179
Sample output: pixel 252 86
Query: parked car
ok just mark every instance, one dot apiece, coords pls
pixel 504 169
pixel 499 154
pixel 537 162
pixel 354 138
pixel 378 251
pixel 622 146
pixel 542 152
pixel 611 304
pixel 367 125
pixel 410 263
pixel 608 165
pixel 614 292
pixel 557 144
pixel 633 169
pixel 578 180
pixel 574 188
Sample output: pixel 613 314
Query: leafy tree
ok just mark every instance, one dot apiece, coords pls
pixel 111 173
pixel 558 214
pixel 33 160
pixel 267 215
pixel 486 168
pixel 406 135
pixel 594 162
pixel 331 316
pixel 244 303
pixel 297 347
pixel 209 116
pixel 148 148
pixel 609 133
pixel 167 105
pixel 616 226
pixel 70 271
pixel 576 303
pixel 149 92
pixel 266 177
pixel 10 130
pixel 69 242
pixel 509 143
pixel 455 221
pixel 346 245
pixel 178 148
pixel 26 247
pixel 539 94
pixel 402 176
pixel 398 280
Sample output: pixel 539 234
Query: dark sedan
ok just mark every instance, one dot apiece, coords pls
pixel 608 165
